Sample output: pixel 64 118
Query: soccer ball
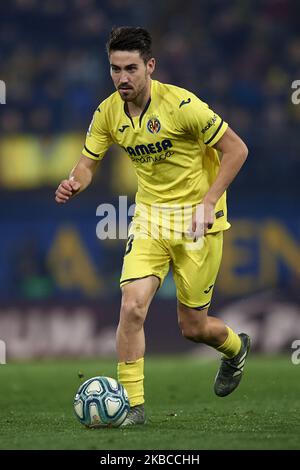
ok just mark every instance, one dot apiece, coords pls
pixel 101 402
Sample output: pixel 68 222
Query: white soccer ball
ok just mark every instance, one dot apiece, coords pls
pixel 101 402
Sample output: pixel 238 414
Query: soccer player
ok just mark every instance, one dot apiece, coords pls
pixel 173 139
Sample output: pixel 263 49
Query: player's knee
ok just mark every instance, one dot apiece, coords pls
pixel 133 311
pixel 194 332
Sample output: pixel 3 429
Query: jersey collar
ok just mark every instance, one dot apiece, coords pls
pixel 142 114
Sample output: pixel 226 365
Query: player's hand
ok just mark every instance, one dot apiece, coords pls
pixel 66 190
pixel 203 219
pixel 209 215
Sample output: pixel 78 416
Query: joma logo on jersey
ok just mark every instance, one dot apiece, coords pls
pixel 146 149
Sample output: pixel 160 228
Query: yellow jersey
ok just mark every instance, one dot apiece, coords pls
pixel 169 144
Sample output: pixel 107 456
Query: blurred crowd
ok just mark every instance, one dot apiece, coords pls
pixel 239 56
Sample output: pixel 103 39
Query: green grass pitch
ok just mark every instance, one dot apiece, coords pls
pixel 183 412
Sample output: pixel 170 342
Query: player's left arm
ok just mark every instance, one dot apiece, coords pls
pixel 198 120
pixel 234 153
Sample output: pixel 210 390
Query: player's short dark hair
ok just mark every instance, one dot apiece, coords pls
pixel 128 38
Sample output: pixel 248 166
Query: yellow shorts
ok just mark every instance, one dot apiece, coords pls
pixel 195 265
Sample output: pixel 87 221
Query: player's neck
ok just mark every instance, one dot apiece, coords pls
pixel 136 107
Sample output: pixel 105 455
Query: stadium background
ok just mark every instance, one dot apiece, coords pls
pixel 59 291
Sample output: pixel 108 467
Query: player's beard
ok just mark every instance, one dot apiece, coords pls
pixel 127 94
pixel 133 93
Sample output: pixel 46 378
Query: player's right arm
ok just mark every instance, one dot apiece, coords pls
pixel 79 179
pixel 98 140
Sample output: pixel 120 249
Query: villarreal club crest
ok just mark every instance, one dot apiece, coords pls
pixel 153 125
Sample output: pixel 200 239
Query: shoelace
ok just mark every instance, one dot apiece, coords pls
pixel 133 412
pixel 230 365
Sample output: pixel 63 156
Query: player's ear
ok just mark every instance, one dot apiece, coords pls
pixel 150 65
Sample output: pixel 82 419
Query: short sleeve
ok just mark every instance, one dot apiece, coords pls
pixel 98 138
pixel 198 119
